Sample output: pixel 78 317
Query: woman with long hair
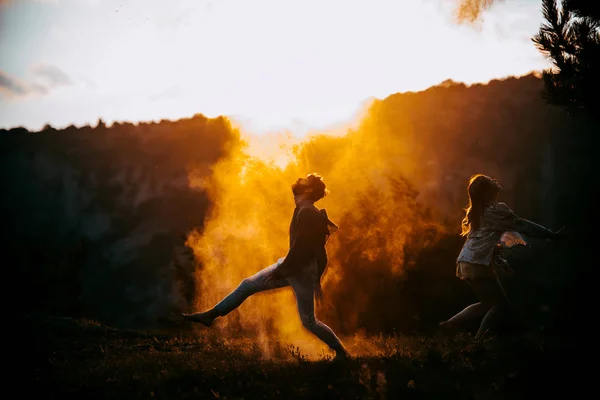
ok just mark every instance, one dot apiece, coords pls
pixel 485 222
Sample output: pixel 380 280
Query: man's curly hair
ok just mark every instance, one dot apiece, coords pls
pixel 319 190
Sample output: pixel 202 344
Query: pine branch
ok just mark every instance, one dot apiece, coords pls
pixel 571 39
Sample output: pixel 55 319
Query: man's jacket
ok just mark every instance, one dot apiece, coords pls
pixel 310 229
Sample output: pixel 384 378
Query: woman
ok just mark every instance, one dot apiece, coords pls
pixel 485 222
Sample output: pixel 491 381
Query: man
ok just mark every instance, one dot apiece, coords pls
pixel 301 268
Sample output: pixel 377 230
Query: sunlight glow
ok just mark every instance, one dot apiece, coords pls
pixel 294 66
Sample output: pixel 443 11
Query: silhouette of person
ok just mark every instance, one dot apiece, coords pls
pixel 487 225
pixel 301 268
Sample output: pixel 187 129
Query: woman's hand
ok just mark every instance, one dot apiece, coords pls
pixel 560 234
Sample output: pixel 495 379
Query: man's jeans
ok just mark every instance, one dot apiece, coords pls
pixel 303 283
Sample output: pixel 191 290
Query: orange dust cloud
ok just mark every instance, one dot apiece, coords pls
pixel 470 11
pixel 368 171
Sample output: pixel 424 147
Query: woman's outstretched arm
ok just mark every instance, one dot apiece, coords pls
pixel 504 219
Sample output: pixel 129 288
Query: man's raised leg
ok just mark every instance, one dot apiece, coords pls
pixel 258 282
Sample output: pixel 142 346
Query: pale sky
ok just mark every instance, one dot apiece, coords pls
pixel 272 64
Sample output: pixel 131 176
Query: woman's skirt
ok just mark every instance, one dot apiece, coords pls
pixel 468 271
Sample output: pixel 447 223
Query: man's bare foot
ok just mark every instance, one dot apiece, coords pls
pixel 341 355
pixel 205 318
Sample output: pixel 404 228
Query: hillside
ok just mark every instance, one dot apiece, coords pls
pixel 98 216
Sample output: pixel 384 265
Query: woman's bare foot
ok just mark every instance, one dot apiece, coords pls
pixel 449 326
pixel 482 336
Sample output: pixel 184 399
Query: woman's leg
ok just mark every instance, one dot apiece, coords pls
pixel 470 312
pixel 249 286
pixel 491 294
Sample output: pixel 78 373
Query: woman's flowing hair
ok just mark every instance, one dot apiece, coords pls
pixel 482 191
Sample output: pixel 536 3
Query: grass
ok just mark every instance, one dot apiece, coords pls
pixel 65 358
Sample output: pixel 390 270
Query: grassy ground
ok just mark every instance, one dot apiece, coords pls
pixel 65 358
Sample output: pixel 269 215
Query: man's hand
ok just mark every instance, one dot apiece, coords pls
pixel 319 293
pixel 508 271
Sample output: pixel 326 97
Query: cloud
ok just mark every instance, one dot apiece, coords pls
pixel 14 87
pixel 54 75
pixel 10 84
pixel 43 77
